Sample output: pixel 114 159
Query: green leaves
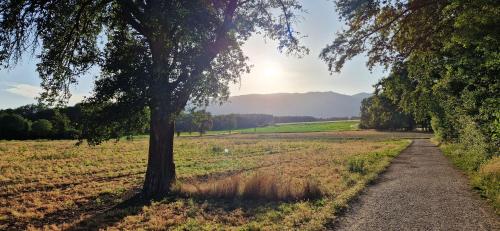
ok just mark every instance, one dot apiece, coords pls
pixel 444 57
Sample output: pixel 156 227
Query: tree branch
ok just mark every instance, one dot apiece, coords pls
pixel 134 16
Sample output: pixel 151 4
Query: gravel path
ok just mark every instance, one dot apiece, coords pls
pixel 421 190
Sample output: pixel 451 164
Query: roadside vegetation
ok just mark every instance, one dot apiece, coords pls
pixel 483 173
pixel 472 155
pixel 444 64
pixel 245 181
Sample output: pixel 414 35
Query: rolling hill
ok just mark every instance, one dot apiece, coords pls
pixel 317 104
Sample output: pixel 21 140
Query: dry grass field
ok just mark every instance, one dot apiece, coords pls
pixel 236 182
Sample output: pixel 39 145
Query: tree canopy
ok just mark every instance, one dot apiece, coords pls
pixel 444 59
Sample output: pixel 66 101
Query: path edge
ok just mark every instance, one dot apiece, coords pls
pixel 342 211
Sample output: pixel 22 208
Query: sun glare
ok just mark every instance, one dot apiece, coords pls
pixel 271 70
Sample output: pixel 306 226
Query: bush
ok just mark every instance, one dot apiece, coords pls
pixel 13 126
pixel 42 128
pixel 463 158
pixel 472 149
pixel 472 138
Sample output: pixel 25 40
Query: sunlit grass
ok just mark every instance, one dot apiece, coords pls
pixel 484 173
pixel 54 184
pixel 307 127
pixel 326 126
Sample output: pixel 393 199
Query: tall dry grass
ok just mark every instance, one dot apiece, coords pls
pixel 259 186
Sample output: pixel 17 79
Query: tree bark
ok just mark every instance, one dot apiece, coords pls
pixel 160 173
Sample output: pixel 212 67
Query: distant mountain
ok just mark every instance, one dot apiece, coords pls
pixel 317 104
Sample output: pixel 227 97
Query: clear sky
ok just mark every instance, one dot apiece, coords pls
pixel 272 71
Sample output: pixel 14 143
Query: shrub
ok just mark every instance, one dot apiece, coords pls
pixel 444 127
pixel 472 149
pixel 13 126
pixel 462 157
pixel 41 128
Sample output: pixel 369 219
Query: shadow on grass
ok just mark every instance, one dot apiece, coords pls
pixel 134 206
pixel 103 219
pixel 104 214
pixel 107 209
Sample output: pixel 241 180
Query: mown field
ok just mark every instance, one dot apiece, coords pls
pixel 56 185
pixel 326 126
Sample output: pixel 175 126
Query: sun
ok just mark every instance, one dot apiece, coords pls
pixel 268 77
pixel 271 70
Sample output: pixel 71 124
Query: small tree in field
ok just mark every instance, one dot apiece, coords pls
pixel 157 56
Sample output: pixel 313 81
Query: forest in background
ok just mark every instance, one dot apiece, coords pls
pixel 40 122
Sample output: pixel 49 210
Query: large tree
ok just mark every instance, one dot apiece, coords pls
pixel 449 51
pixel 155 56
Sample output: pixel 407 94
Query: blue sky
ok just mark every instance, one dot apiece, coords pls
pixel 273 72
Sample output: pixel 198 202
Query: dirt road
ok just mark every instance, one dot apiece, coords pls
pixel 421 190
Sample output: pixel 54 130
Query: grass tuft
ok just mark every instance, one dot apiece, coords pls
pixel 487 180
pixel 311 190
pixel 356 165
pixel 227 188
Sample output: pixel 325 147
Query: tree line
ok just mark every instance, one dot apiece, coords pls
pixel 36 121
pixel 443 58
pixel 378 112
pixel 39 122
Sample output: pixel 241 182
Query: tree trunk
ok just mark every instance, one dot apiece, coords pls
pixel 160 173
